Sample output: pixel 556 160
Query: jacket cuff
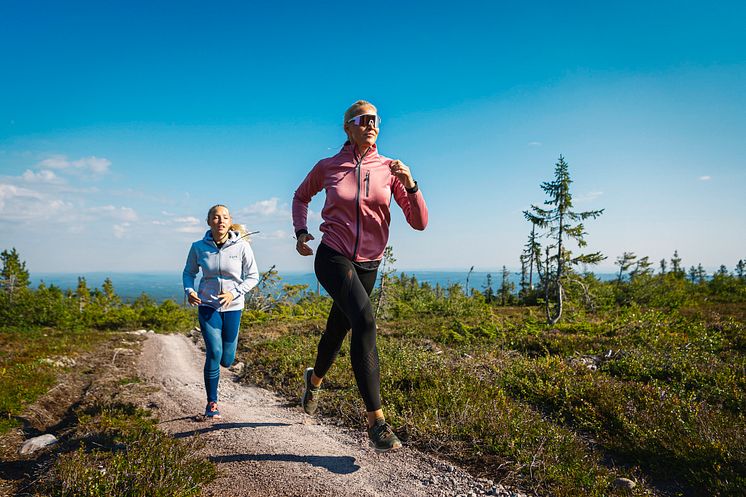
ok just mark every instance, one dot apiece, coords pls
pixel 412 190
pixel 302 231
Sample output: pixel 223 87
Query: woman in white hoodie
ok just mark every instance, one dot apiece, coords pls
pixel 228 273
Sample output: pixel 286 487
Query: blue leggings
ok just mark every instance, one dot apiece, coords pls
pixel 220 331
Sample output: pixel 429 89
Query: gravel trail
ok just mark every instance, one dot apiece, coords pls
pixel 264 447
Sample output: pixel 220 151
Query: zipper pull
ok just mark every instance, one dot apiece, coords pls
pixel 367 182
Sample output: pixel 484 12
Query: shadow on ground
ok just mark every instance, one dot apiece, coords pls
pixel 341 465
pixel 224 426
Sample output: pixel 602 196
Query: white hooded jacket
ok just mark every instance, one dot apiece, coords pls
pixel 231 268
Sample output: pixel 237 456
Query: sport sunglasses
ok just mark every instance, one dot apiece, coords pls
pixel 365 120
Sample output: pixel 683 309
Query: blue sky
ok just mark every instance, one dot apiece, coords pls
pixel 122 122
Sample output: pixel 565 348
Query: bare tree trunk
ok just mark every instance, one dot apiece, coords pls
pixel 380 294
pixel 547 304
pixel 557 317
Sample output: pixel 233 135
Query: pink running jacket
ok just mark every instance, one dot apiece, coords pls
pixel 356 213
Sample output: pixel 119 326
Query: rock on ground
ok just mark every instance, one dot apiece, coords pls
pixel 33 444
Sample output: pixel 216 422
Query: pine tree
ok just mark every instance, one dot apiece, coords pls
pixel 676 268
pixel 741 269
pixel 14 276
pixel 387 270
pixel 642 268
pixel 82 293
pixel 624 262
pixel 532 255
pixel 663 266
pixel 562 225
pixel 507 287
pixel 108 298
pixel 489 292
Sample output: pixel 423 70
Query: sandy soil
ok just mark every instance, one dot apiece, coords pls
pixel 265 447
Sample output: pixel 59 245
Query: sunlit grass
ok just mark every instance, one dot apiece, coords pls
pixel 563 410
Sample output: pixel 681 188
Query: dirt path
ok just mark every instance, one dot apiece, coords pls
pixel 264 447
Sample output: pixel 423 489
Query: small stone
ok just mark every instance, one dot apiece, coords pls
pixel 624 483
pixel 33 444
pixel 59 362
pixel 237 368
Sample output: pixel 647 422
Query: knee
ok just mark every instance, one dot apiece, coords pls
pixel 366 322
pixel 213 353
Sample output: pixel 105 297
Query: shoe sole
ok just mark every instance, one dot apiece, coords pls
pixel 306 382
pixel 388 449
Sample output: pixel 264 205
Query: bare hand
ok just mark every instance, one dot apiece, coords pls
pixel 225 299
pixel 193 298
pixel 302 246
pixel 402 172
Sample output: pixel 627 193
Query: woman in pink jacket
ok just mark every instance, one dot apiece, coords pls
pixel 359 184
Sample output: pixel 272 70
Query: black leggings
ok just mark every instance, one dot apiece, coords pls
pixel 349 284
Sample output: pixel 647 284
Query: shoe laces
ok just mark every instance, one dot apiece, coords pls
pixel 382 430
pixel 212 406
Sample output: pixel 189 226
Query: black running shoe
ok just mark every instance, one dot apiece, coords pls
pixel 382 438
pixel 310 398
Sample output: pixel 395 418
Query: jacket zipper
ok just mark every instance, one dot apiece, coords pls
pixel 367 182
pixel 220 270
pixel 357 205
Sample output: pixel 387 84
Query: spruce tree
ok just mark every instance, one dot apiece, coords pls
pixel 562 224
pixel 642 268
pixel 507 287
pixel 82 293
pixel 663 266
pixel 14 275
pixel 624 262
pixel 489 292
pixel 741 269
pixel 676 268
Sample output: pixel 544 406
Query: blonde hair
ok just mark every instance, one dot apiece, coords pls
pixel 352 111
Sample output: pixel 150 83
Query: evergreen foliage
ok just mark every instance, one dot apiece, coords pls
pixel 561 225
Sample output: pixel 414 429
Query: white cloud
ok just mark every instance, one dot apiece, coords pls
pixel 534 144
pixel 313 215
pixel 91 164
pixel 126 214
pixel 22 204
pixel 190 229
pixel 270 208
pixel 186 224
pixel 120 230
pixel 705 178
pixel 11 193
pixel 187 220
pixel 43 176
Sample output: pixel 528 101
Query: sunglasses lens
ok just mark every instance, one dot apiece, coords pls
pixel 367 120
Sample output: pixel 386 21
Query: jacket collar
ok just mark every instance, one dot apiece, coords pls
pixel 232 238
pixel 352 151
